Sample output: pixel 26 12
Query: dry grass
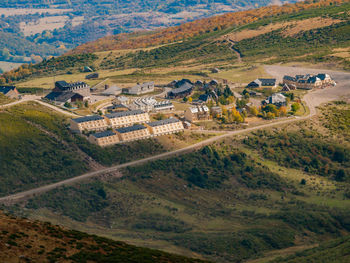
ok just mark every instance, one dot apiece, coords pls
pixel 27 11
pixel 289 28
pixel 48 23
pixel 243 75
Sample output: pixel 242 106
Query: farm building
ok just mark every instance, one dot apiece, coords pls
pixel 10 91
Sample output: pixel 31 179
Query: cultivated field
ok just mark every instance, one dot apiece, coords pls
pixel 28 11
pixel 48 23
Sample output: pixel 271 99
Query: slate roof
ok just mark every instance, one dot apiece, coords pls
pixel 312 79
pixel 179 83
pixel 61 96
pixel 204 97
pixel 65 85
pixel 112 90
pixel 136 127
pixel 163 122
pixel 88 118
pixel 117 106
pixel 6 89
pixel 124 113
pixel 322 76
pixel 290 78
pixel 184 88
pixel 267 82
pixel 104 134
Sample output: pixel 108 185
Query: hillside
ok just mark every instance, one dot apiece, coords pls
pixel 228 202
pixel 195 28
pixel 333 251
pixel 57 154
pixel 304 32
pixel 52 28
pixel 22 240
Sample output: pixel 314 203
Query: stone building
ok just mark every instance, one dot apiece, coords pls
pixel 88 123
pixel 9 91
pixel 127 118
pixel 139 89
pixel 132 133
pixel 105 138
pixel 77 87
pixel 198 113
pixel 167 126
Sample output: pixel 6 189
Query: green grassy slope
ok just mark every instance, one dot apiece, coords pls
pixel 206 49
pixel 228 202
pixel 37 148
pixel 335 251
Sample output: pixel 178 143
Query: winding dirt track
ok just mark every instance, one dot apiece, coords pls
pixel 312 99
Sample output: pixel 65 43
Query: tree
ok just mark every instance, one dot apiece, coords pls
pixel 227 92
pixel 253 111
pixel 68 105
pixel 295 106
pixel 241 103
pixel 270 108
pixel 189 99
pixel 270 116
pixel 282 111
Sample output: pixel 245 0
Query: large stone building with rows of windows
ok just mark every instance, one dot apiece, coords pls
pixel 162 127
pixel 127 118
pixel 104 138
pixel 132 133
pixel 89 123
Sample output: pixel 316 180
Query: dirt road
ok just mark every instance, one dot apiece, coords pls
pixel 37 99
pixel 312 99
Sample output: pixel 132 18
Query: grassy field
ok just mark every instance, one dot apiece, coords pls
pixel 4 99
pixel 242 73
pixel 229 198
pixel 331 251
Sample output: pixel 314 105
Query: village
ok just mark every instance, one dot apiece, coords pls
pixel 148 110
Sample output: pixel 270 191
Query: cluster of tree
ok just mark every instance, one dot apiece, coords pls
pixel 48 66
pixel 270 111
pixel 210 168
pixel 304 150
pixel 288 47
pixel 225 95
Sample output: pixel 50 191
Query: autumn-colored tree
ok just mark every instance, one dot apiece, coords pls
pixel 195 28
pixel 253 111
pixel 282 111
